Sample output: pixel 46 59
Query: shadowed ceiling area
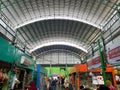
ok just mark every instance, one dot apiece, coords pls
pixel 48 31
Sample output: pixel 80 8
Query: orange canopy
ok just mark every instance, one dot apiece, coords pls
pixel 78 68
pixel 72 70
pixel 83 68
pixel 109 68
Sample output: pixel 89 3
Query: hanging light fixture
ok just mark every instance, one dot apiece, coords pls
pixel 118 9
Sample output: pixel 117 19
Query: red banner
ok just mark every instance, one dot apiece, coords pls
pixel 114 53
pixel 94 61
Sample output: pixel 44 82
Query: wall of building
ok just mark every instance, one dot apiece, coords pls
pixel 61 70
pixel 58 57
pixel 111 37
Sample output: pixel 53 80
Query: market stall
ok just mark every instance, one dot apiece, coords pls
pixel 79 75
pixel 15 66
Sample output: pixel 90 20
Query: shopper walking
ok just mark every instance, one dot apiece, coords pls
pixel 53 84
pixel 109 84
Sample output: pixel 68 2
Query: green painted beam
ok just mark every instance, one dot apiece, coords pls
pixel 1 6
pixel 102 62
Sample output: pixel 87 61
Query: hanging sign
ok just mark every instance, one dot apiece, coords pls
pixel 97 80
pixel 114 54
pixel 94 63
pixel 25 61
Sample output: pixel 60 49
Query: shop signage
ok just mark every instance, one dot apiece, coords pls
pixel 97 80
pixel 25 61
pixel 114 54
pixel 94 63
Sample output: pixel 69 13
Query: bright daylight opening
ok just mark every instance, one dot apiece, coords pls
pixel 56 17
pixel 59 43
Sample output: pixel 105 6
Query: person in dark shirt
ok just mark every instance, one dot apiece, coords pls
pixel 103 87
pixel 62 82
pixel 32 86
pixel 85 89
pixel 81 87
pixel 53 84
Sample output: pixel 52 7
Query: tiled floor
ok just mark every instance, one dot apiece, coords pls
pixel 60 88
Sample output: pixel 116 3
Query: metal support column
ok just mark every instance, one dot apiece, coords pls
pixel 51 65
pixel 104 50
pixel 102 62
pixel 66 65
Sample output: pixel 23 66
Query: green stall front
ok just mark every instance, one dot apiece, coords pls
pixel 16 67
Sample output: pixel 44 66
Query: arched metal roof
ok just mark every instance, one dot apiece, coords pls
pixel 23 12
pixel 58 32
pixel 39 22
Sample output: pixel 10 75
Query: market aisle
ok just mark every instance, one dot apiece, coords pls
pixel 59 88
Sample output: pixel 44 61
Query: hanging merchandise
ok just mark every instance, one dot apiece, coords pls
pixel 4 75
pixel 14 62
pixel 15 81
pixel 1 75
pixel 18 79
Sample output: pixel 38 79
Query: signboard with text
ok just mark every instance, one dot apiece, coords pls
pixel 94 63
pixel 114 54
pixel 97 80
pixel 25 61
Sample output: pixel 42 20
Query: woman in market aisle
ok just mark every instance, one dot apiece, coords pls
pixel 32 86
pixel 81 87
pixel 48 85
pixel 53 84
pixel 66 83
pixel 70 86
pixel 109 84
